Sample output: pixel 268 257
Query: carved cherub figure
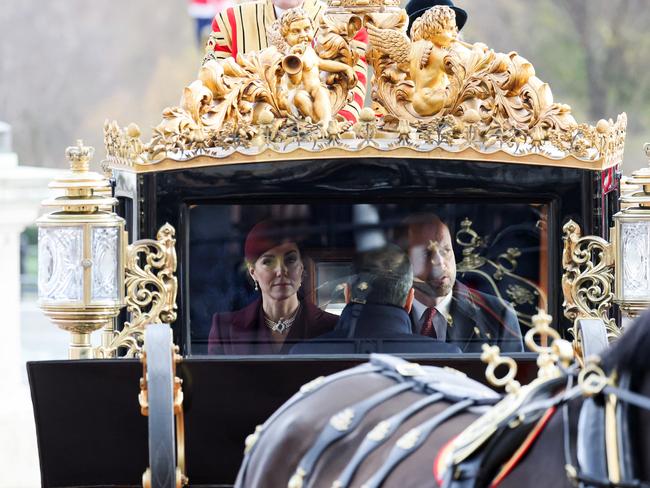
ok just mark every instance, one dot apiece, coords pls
pixel 303 66
pixel 423 57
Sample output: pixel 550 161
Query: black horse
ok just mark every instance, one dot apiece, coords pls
pixel 393 423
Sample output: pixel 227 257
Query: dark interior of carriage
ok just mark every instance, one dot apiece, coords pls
pixel 500 247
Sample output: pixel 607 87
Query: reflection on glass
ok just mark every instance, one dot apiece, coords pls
pixel 481 271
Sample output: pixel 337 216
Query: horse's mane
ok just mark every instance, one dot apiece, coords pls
pixel 632 351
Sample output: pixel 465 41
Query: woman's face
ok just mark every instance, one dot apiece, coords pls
pixel 278 271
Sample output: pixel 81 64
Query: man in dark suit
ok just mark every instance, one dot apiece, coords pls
pixel 446 309
pixel 376 318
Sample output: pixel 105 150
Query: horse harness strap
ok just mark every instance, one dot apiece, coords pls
pixel 412 440
pixel 410 377
pixel 480 459
pixel 306 390
pixel 382 431
pixel 339 426
pixel 604 447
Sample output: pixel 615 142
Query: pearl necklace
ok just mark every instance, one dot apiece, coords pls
pixel 283 324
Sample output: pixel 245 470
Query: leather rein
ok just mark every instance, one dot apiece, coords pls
pixel 603 449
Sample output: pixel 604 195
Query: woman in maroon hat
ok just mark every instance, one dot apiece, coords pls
pixel 279 318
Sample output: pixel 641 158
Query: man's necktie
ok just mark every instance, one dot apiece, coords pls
pixel 427 323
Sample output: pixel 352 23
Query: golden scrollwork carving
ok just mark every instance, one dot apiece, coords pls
pixel 588 277
pixel 499 273
pixel 471 242
pixel 436 74
pixel 123 144
pixel 151 288
pixel 433 91
pixel 291 80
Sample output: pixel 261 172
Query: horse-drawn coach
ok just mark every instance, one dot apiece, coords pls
pixel 268 238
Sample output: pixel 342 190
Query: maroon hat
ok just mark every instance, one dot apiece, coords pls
pixel 265 235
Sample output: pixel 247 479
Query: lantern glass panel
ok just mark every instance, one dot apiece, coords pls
pixel 105 252
pixel 635 238
pixel 60 272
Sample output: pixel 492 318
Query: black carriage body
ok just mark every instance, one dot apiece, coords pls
pixel 226 397
pixel 150 199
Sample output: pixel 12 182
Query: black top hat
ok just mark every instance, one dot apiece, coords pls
pixel 415 8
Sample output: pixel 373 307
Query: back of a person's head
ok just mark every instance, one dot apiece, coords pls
pixel 382 277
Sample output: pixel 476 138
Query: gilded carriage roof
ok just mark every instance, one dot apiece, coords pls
pixel 433 96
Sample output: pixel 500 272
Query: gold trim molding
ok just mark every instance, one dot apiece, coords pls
pixel 588 278
pixel 306 152
pixel 587 149
pixel 151 289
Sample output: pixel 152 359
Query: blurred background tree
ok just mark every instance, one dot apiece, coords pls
pixel 591 52
pixel 65 66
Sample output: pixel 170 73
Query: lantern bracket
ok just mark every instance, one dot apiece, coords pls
pixel 151 288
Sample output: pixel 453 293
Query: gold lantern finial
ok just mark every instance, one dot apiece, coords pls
pixel 79 156
pixel 84 191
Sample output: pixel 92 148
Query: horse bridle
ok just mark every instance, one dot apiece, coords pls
pixel 604 464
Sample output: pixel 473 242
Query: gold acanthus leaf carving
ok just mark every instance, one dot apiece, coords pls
pixel 122 144
pixel 151 288
pixel 588 277
pixel 285 79
pixel 453 95
pixel 436 74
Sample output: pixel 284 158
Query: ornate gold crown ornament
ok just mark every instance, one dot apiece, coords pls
pixel 84 264
pixel 431 92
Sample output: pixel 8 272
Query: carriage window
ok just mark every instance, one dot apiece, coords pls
pixel 335 278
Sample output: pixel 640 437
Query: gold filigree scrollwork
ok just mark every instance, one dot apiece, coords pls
pixel 123 145
pixel 519 291
pixel 151 289
pixel 433 91
pixel 507 262
pixel 588 277
pixel 470 241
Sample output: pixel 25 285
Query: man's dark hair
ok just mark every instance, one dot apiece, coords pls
pixel 382 277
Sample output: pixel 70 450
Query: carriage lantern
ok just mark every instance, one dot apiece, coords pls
pixel 81 254
pixel 632 245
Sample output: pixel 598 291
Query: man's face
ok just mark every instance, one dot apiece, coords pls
pixel 432 256
pixel 300 32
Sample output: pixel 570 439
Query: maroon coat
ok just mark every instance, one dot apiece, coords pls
pixel 244 331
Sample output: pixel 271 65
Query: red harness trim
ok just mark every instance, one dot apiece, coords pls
pixel 523 449
pixel 439 464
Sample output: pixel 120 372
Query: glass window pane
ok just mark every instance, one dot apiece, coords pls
pixel 332 278
pixel 636 259
pixel 104 252
pixel 60 273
